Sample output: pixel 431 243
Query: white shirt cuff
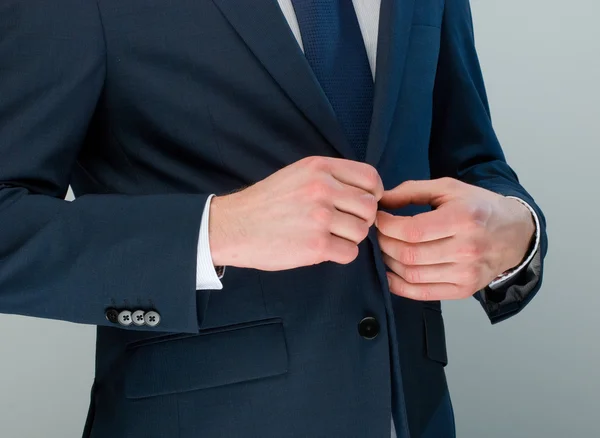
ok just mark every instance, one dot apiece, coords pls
pixel 499 281
pixel 207 275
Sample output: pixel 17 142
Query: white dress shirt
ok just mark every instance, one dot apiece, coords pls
pixel 367 12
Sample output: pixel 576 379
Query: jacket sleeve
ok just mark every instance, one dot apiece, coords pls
pixel 73 261
pixel 464 146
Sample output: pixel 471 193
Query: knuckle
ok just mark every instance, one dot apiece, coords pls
pixel 407 255
pixel 317 189
pixel 449 182
pixel 414 233
pixel 362 230
pixel 426 294
pixel 371 216
pixel 471 250
pixel 408 183
pixel 315 162
pixel 412 275
pixel 369 203
pixel 322 215
pixel 349 255
pixel 372 176
pixel 478 249
pixel 318 245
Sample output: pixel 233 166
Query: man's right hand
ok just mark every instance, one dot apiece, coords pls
pixel 315 210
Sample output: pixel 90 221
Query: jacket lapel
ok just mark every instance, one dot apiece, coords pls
pixel 263 27
pixel 392 45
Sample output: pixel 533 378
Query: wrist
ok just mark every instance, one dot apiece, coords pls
pixel 526 232
pixel 219 231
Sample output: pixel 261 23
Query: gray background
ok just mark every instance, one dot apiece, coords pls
pixel 533 376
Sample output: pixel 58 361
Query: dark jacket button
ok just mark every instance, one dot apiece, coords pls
pixel 368 328
pixel 112 315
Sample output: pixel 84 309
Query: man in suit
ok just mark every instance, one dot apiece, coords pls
pixel 272 199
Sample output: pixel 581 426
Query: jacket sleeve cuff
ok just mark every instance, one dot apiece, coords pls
pixel 509 297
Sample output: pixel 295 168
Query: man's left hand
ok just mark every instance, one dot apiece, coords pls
pixel 470 237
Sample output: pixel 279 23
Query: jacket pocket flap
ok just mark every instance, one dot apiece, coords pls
pixel 435 337
pixel 213 358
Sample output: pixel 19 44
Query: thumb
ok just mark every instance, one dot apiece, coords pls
pixel 430 192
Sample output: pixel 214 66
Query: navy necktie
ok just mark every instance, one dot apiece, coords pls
pixel 335 50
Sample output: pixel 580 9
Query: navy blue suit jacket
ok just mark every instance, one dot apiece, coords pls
pixel 147 106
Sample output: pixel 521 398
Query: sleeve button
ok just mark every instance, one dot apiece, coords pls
pixel 125 318
pixel 152 318
pixel 138 318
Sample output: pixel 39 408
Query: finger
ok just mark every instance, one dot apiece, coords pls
pixel 340 250
pixel 357 202
pixel 442 273
pixel 419 192
pixel 424 227
pixel 423 292
pixel 425 253
pixel 349 227
pixel 357 174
